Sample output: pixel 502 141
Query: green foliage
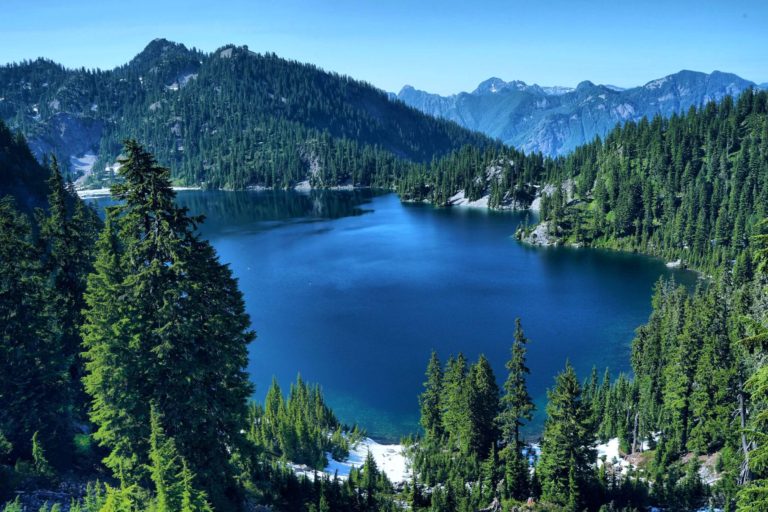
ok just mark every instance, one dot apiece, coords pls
pixel 231 119
pixel 516 408
pixel 300 429
pixel 21 176
pixel 691 187
pixel 568 454
pixel 5 446
pixel 68 231
pixel 165 325
pixel 429 400
pixel 483 408
pixel 34 374
pixel 170 474
pixel 42 467
pixel 14 506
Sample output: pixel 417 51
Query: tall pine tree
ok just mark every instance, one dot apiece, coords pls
pixel 568 445
pixel 516 408
pixel 165 325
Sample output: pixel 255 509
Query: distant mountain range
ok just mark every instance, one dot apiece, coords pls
pixel 555 120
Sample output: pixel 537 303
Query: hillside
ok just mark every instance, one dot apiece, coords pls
pixel 21 176
pixel 555 120
pixel 232 119
pixel 692 188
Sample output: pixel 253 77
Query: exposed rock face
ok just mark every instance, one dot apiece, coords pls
pixel 67 135
pixel 555 120
pixel 539 236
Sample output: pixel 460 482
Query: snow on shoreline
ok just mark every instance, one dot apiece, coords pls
pixel 83 165
pixel 390 458
pixel 104 192
pixel 459 199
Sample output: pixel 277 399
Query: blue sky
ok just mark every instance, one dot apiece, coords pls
pixel 441 46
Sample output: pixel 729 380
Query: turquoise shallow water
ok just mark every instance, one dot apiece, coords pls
pixel 354 290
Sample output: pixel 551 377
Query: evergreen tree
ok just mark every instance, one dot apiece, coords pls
pixel 454 402
pixel 42 467
pixel 568 454
pixel 165 325
pixel 429 400
pixel 516 408
pixel 34 376
pixel 67 234
pixel 483 408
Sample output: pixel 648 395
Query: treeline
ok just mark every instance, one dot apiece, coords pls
pixel 473 454
pixel 691 187
pixel 301 428
pixel 690 423
pixel 230 119
pixel 123 362
pixel 508 177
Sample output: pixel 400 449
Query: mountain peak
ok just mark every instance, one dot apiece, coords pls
pixel 491 85
pixel 159 46
pixel 533 117
pixel 585 85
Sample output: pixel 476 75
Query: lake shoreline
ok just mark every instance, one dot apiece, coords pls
pixel 313 260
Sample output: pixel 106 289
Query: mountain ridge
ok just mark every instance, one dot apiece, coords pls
pixel 554 120
pixel 231 118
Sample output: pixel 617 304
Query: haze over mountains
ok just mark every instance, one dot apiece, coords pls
pixel 235 119
pixel 555 120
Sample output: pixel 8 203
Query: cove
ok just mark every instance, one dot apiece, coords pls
pixel 354 289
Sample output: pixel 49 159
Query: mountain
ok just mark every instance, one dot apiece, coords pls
pixel 555 120
pixel 21 176
pixel 230 119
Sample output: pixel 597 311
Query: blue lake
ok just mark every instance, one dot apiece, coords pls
pixel 354 290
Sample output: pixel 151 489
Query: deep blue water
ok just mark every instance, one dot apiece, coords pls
pixel 354 290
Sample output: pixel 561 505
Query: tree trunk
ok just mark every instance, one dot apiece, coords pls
pixel 745 475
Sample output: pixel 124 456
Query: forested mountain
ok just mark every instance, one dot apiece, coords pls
pixel 21 175
pixel 692 187
pixel 555 120
pixel 108 339
pixel 230 119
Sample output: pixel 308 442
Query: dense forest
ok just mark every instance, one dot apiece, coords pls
pixel 110 327
pixel 691 420
pixel 229 119
pixel 122 367
pixel 691 187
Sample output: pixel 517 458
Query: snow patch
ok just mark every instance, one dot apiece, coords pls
pixel 105 192
pixel 459 199
pixel 303 186
pixel 624 110
pixel 390 458
pixel 655 84
pixel 82 165
pixel 557 90
pixel 610 453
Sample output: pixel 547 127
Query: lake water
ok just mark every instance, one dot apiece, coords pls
pixel 354 290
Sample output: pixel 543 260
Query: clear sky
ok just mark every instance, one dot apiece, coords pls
pixel 441 46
